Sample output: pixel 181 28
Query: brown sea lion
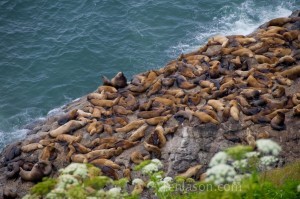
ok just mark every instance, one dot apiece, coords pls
pixel 136 157
pixel 150 114
pixel 219 39
pixel 159 131
pixel 125 144
pixel 205 118
pixel 67 117
pixel 131 126
pixel 95 127
pixel 47 152
pixel 138 134
pixel 216 104
pixel 152 148
pixel 296 110
pixel 12 170
pixel 109 89
pixel 31 147
pixel 296 98
pixel 250 138
pixel 183 83
pixel 234 110
pixel 119 81
pixel 108 171
pixel 9 193
pixel 155 88
pixel 171 130
pixel 68 127
pixel 103 153
pixel 192 171
pixel 81 148
pixel 291 73
pixel 184 114
pixel 39 170
pixel 100 96
pixel 68 138
pixel 96 113
pixel 158 120
pixel 277 122
pixel 105 103
pixel 243 52
pixel 120 110
pixel 105 162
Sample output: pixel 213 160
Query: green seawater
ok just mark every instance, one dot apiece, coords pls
pixel 52 52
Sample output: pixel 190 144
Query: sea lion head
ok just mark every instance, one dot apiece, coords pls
pixel 119 81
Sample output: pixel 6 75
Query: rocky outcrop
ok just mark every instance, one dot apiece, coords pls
pixel 192 108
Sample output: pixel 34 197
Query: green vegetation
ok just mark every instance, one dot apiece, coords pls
pixel 237 173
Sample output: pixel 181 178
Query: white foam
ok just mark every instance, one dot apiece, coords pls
pixel 241 20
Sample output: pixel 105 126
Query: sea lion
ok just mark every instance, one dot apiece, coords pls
pixel 277 122
pixel 296 98
pixel 47 152
pixel 109 89
pixel 68 138
pixel 70 126
pixel 79 158
pixel 150 114
pixel 95 127
pixel 120 110
pixel 183 83
pixel 250 93
pixel 204 117
pixel 159 131
pixel 227 85
pixel 286 60
pixel 154 88
pixel 119 81
pixel 138 188
pixel 184 114
pixel 131 126
pixel 234 110
pixel 243 52
pixel 158 120
pixel 152 148
pixel 291 73
pixel 138 134
pixel 125 144
pixel 245 40
pixel 12 151
pixel 219 39
pixel 291 35
pixel 105 162
pixel 100 96
pixel 164 101
pixel 96 113
pixel 107 153
pixel 99 141
pixel 216 104
pixel 171 130
pixel 250 138
pixel 168 82
pixel 105 103
pixel 278 92
pixel 9 192
pixel 136 157
pixel 81 148
pixel 31 147
pixel 296 110
pixel 191 171
pixel 108 171
pixel 39 170
pixel 82 113
pixel 127 174
pixel 67 117
pixel 12 170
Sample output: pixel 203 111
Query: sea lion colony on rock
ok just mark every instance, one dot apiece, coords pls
pixel 238 77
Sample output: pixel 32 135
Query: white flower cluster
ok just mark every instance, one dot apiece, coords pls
pixel 163 184
pixel 268 147
pixel 114 192
pixel 240 164
pixel 266 161
pixel 76 169
pixel 152 167
pixel 137 181
pixel 221 174
pixel 219 158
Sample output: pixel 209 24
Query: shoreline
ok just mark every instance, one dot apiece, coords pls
pixel 195 139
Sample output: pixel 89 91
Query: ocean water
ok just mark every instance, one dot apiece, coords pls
pixel 52 52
